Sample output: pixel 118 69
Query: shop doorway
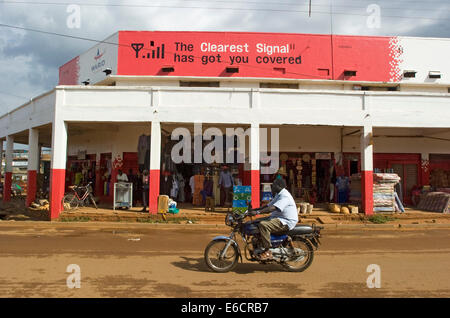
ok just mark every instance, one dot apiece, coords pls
pixel 323 180
pixel 409 177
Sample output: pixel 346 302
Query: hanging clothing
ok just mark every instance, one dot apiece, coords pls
pixel 142 148
pixel 181 184
pixel 192 184
pixel 166 185
pixel 175 188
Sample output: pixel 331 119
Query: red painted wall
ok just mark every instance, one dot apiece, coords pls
pixel 69 72
pixel 307 56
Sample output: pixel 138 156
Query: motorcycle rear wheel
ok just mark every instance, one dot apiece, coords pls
pixel 305 260
pixel 212 256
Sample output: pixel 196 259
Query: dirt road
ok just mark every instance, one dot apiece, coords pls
pixel 142 260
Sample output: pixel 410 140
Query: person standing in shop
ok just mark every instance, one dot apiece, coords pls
pixel 226 184
pixel 145 190
pixel 78 177
pixel 192 186
pixel 132 178
pixel 122 177
pixel 207 188
pixel 91 179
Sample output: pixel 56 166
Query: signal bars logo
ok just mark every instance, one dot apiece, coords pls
pixel 150 52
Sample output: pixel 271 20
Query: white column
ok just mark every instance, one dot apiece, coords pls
pixel 59 145
pixel 155 164
pixel 367 165
pixel 58 167
pixel 33 164
pixel 9 154
pixel 33 149
pixel 255 164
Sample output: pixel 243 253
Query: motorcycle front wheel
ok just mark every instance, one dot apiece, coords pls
pixel 304 257
pixel 213 257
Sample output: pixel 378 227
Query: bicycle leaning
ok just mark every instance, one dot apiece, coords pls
pixel 81 196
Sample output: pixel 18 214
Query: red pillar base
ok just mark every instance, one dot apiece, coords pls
pixel 57 182
pixel 153 191
pixel 31 186
pixel 255 182
pixel 367 192
pixel 7 187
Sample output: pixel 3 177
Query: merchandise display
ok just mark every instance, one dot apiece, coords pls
pixel 241 194
pixel 383 191
pixel 435 202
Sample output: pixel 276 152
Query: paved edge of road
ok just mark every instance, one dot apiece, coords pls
pixel 32 224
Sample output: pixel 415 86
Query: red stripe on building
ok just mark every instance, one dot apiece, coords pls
pixel 153 191
pixel 31 186
pixel 57 182
pixel 367 191
pixel 7 187
pixel 255 188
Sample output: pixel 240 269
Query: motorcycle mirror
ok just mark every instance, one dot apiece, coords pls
pixel 249 204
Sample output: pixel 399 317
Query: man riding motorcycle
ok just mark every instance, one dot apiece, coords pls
pixel 284 216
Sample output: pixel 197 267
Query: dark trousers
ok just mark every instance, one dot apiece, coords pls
pixel 225 195
pixel 145 194
pixel 268 226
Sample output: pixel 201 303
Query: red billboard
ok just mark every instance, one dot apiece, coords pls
pixel 271 55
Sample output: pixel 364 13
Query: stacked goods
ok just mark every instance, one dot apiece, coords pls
pixel 334 208
pixel 241 194
pixel 198 186
pixel 383 191
pixel 435 202
pixel 266 192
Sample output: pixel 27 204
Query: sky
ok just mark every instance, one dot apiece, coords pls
pixel 29 61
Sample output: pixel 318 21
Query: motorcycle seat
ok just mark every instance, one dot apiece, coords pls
pixel 300 230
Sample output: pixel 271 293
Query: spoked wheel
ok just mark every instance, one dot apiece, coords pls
pixel 70 202
pixel 304 255
pixel 218 262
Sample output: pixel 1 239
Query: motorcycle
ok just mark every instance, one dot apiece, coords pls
pixel 294 249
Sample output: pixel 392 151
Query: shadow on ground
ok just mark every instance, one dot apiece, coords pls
pixel 199 265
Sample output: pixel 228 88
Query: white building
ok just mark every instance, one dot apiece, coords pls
pixel 351 103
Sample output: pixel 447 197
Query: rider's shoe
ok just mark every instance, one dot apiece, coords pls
pixel 266 255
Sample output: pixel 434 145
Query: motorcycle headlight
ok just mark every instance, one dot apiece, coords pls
pixel 229 219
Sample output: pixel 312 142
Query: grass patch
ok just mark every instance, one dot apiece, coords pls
pixel 180 220
pixel 380 219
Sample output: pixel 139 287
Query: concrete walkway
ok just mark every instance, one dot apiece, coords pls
pixel 196 215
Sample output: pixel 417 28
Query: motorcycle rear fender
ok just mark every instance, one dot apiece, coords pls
pixel 313 239
pixel 233 242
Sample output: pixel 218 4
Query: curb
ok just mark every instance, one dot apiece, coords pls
pixel 33 224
